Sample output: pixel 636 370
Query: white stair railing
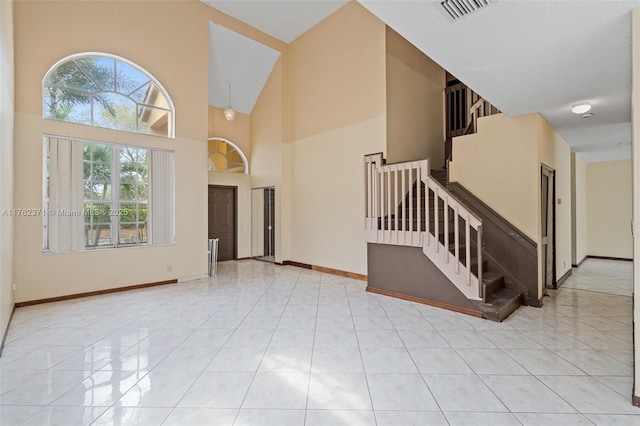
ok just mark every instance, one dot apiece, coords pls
pixel 398 212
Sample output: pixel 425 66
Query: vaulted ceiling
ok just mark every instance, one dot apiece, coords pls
pixel 523 56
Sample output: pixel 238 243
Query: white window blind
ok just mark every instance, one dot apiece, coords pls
pixel 123 211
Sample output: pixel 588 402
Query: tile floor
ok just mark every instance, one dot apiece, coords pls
pixel 267 345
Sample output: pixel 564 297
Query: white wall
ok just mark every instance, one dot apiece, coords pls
pixel 609 209
pixel 6 161
pixel 579 250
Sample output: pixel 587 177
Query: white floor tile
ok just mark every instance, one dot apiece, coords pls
pixel 201 417
pixel 278 391
pixel 340 418
pixel 338 391
pixel 251 417
pixel 400 392
pixel 215 389
pixel 462 393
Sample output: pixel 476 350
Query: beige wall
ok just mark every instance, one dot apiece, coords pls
pixel 415 103
pixel 327 200
pixel 635 158
pixel 124 29
pixel 501 165
pixel 266 147
pixel 237 131
pixel 504 146
pixel 578 209
pixel 554 152
pixel 6 162
pixel 334 80
pixel 335 73
pixel 609 209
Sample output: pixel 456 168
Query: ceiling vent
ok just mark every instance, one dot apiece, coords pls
pixel 458 9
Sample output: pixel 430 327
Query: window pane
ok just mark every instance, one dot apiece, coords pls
pixel 69 76
pixel 100 70
pixel 114 111
pixel 133 224
pixel 153 120
pixel 66 105
pixel 129 78
pixel 141 93
pixel 98 235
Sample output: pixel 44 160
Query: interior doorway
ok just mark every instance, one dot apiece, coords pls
pixel 263 230
pixel 223 204
pixel 548 226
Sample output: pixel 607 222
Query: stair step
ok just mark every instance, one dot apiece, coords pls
pixel 492 283
pixel 501 304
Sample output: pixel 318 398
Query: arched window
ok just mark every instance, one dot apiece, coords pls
pixel 104 90
pixel 224 156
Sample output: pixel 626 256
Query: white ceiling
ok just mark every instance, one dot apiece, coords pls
pixel 523 56
pixel 536 56
pixel 245 63
pixel 284 20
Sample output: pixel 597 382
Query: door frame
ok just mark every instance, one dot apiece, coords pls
pixel 235 218
pixel 551 244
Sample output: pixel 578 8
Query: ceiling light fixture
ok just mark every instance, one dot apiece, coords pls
pixel 229 113
pixel 581 108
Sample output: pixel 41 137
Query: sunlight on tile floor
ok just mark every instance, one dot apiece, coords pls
pixel 268 345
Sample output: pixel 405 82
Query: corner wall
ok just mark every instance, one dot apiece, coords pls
pixel 415 103
pixel 335 113
pixel 635 158
pixel 609 209
pixel 554 152
pixel 267 147
pixel 6 162
pixel 578 209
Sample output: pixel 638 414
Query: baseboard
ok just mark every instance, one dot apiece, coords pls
pixel 346 274
pixel 626 259
pixel 579 263
pixel 243 258
pixel 324 269
pixel 6 331
pixel 93 293
pixel 563 278
pixel 453 308
pixel 296 264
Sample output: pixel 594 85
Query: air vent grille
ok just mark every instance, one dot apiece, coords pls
pixel 458 9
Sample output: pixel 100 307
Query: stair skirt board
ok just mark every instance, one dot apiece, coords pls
pixel 407 271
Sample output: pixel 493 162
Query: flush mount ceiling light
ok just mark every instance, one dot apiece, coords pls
pixel 581 108
pixel 229 113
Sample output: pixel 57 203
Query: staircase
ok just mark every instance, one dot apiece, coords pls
pixel 499 300
pixel 409 205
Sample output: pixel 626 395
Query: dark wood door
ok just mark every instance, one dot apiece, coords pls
pixel 222 220
pixel 269 221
